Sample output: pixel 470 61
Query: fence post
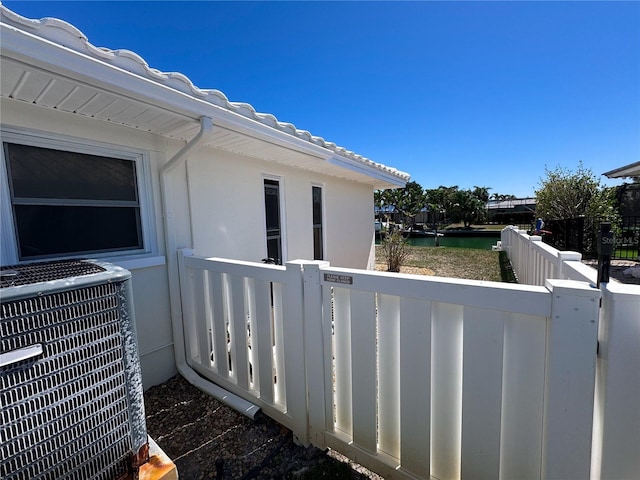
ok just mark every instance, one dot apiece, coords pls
pixel 293 333
pixel 533 268
pixel 314 349
pixel 506 236
pixel 182 330
pixel 566 257
pixel 617 422
pixel 572 335
pixel 514 251
pixel 523 257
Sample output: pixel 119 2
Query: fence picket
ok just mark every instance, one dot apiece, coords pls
pixel 483 346
pixel 189 317
pixel 363 362
pixel 342 362
pixel 415 386
pixel 252 350
pixel 202 318
pixel 219 324
pixel 263 368
pixel 329 356
pixel 239 357
pixel 278 349
pixel 446 390
pixel 522 396
pixel 389 374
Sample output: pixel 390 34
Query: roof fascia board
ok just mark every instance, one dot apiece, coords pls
pixel 378 175
pixel 49 56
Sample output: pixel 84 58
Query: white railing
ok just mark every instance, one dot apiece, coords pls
pixel 616 423
pixel 411 376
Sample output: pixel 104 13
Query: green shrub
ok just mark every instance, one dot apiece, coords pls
pixel 395 249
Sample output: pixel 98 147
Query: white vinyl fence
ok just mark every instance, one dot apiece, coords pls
pixel 413 376
pixel 534 261
pixel 616 422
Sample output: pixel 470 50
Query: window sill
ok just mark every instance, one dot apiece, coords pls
pixel 137 263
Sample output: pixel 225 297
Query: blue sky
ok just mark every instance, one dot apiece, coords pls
pixel 454 93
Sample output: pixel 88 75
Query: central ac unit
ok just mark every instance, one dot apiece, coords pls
pixel 71 401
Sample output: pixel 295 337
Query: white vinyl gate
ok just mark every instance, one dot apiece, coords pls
pixel 410 376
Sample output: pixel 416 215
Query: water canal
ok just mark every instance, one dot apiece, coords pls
pixel 467 241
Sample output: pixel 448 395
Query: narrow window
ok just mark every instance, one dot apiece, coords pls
pixel 68 203
pixel 272 216
pixel 318 250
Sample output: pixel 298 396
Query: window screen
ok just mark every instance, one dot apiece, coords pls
pixel 68 203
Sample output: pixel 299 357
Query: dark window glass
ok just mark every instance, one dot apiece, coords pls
pixel 317 243
pixel 67 203
pixel 318 248
pixel 46 230
pixel 272 205
pixel 45 173
pixel 317 205
pixel 272 219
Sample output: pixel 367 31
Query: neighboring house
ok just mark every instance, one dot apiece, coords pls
pixel 104 157
pixel 629 198
pixel 518 211
pixel 629 193
pixel 632 170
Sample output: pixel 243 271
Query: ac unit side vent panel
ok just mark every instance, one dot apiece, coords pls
pixel 70 392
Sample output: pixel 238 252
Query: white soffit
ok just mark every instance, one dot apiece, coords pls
pixel 50 63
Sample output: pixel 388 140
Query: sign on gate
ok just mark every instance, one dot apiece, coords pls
pixel 334 278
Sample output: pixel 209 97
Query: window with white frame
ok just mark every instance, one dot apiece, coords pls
pixel 272 220
pixel 72 202
pixel 318 241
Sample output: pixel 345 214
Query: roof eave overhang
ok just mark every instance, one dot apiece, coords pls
pixel 382 179
pixel 32 50
pixel 632 170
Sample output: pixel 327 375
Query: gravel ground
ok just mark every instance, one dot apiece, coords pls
pixel 207 440
pixel 617 269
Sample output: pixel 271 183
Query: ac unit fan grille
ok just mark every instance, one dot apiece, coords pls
pixel 65 414
pixel 45 272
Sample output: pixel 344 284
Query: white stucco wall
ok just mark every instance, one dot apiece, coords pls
pixel 227 204
pixel 149 273
pixel 350 225
pixel 224 193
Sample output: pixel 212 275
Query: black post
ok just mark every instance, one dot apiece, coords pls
pixel 605 250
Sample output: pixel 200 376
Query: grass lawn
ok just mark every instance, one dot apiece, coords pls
pixel 468 263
